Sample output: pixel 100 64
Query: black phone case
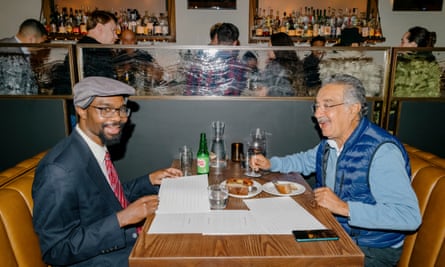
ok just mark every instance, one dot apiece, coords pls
pixel 314 235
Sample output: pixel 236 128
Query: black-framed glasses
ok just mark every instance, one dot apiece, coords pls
pixel 325 106
pixel 107 112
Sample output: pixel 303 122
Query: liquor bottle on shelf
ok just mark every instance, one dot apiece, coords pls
pixel 163 22
pixel 157 29
pixel 284 23
pixel 202 156
pixel 146 23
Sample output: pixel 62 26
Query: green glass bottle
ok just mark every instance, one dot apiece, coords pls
pixel 202 157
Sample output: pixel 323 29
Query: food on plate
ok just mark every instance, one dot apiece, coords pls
pixel 285 188
pixel 239 186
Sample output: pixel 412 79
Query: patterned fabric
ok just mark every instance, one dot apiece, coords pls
pixel 115 184
pixel 220 74
pixel 16 75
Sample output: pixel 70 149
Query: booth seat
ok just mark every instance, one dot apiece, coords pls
pixel 19 244
pixel 426 247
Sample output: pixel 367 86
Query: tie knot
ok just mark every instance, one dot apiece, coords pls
pixel 107 156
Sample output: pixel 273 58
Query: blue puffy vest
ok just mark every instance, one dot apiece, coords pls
pixel 352 178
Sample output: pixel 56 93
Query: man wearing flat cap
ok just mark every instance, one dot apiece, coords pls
pixel 83 215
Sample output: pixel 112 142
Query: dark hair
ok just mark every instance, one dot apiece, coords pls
pixel 34 26
pixel 282 39
pixel 227 33
pixel 213 30
pixel 422 37
pixel 350 36
pixel 318 38
pixel 99 16
pixel 354 90
pixel 249 55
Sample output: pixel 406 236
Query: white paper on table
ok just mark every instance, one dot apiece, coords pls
pixel 232 222
pixel 281 215
pixel 184 195
pixel 224 222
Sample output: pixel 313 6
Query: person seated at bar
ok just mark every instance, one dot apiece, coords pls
pixel 418 74
pixel 101 26
pixel 136 67
pixel 311 67
pixel 283 74
pixel 16 73
pixel 83 215
pixel 213 37
pixel 350 37
pixel 217 72
pixel 363 173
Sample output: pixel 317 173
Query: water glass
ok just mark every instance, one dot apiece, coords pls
pixel 186 160
pixel 218 196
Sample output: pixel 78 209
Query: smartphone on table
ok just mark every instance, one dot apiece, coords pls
pixel 314 235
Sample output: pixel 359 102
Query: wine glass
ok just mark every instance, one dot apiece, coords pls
pixel 254 148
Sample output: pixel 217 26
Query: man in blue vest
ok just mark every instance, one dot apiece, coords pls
pixel 362 172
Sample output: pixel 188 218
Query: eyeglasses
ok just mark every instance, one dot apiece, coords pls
pixel 107 112
pixel 325 106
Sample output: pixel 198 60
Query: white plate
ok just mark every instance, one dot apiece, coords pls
pixel 270 188
pixel 257 188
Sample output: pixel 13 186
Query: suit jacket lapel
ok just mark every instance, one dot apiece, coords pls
pixel 96 175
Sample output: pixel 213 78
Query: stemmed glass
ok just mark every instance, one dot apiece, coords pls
pixel 253 148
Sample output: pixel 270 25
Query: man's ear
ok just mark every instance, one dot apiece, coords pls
pixel 82 113
pixel 356 108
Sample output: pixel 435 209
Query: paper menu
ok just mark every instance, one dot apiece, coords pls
pixel 224 222
pixel 281 215
pixel 274 215
pixel 184 195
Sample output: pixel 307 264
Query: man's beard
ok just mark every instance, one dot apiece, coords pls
pixel 115 139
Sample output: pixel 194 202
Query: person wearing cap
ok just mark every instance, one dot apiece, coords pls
pixel 77 215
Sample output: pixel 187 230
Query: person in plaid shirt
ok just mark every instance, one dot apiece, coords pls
pixel 218 72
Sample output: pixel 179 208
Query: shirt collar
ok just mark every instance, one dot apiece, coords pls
pixel 334 145
pixel 98 151
pixel 25 50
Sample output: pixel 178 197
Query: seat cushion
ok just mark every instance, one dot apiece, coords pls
pixel 16 221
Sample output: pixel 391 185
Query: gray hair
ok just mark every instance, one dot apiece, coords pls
pixel 354 91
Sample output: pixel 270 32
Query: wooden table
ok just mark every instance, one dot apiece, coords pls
pixel 248 250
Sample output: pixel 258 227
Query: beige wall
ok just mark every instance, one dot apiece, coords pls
pixel 193 25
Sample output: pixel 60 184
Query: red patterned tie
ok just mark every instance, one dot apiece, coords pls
pixel 115 184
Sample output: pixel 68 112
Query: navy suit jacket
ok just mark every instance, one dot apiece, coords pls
pixel 75 208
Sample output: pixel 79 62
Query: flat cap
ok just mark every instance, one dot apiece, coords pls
pixel 90 87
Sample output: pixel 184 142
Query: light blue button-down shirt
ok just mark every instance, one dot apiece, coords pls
pixel 396 205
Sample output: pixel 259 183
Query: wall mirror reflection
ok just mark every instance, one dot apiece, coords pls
pixel 34 72
pixel 237 71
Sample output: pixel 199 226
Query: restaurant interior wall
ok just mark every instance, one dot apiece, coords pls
pixel 193 25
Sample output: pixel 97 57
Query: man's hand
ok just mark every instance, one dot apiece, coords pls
pixel 138 210
pixel 259 162
pixel 328 199
pixel 157 176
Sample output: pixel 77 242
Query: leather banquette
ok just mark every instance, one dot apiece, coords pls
pixel 19 244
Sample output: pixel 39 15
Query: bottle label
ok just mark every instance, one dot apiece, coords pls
pixel 202 164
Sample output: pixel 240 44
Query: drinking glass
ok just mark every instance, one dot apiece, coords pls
pixel 254 148
pixel 186 160
pixel 218 196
